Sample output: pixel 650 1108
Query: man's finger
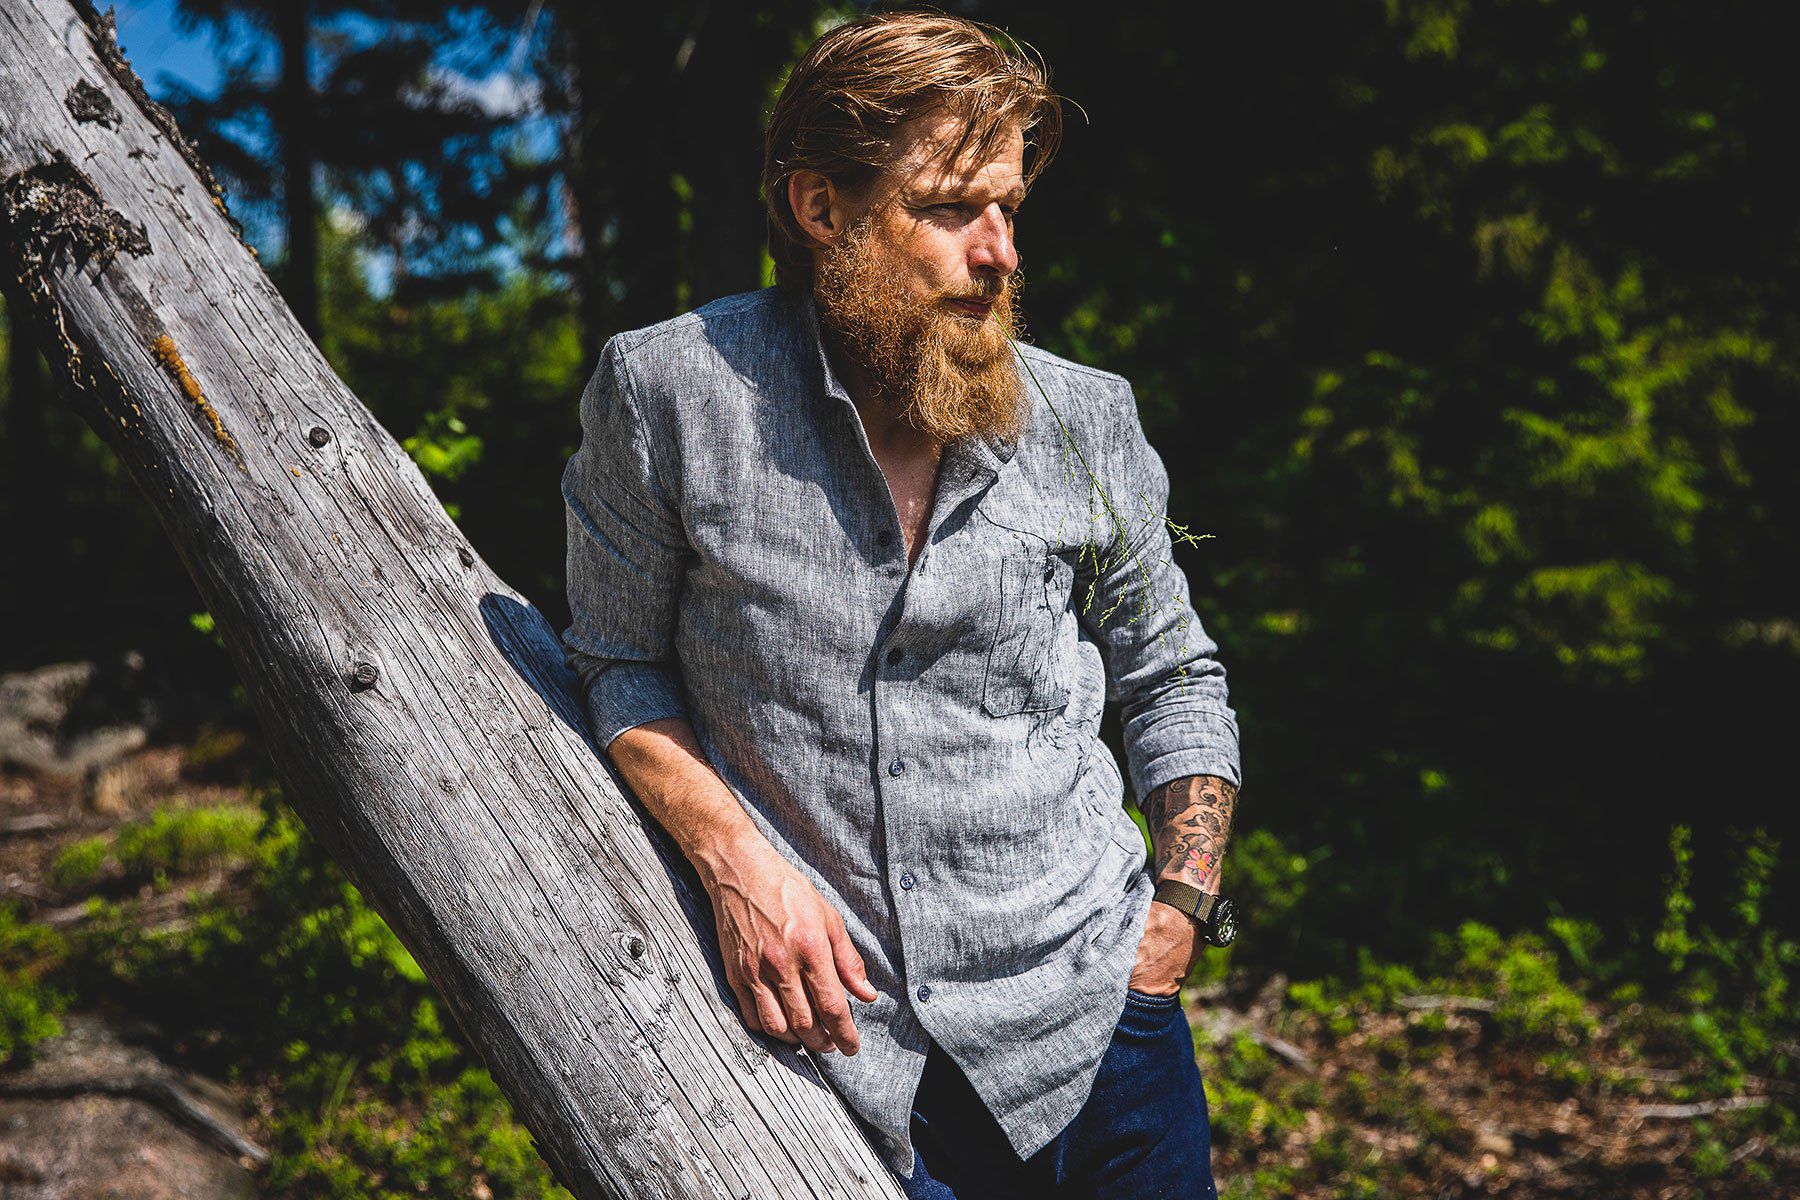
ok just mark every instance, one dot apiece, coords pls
pixel 828 1002
pixel 850 967
pixel 746 1006
pixel 768 1012
pixel 800 1016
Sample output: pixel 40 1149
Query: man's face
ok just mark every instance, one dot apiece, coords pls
pixel 922 284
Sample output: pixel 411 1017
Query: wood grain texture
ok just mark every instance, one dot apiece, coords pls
pixel 418 709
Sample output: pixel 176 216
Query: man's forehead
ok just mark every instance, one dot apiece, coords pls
pixel 924 163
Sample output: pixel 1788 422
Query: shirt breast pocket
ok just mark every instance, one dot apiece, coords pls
pixel 1023 672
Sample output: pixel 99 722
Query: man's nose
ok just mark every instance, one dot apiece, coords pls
pixel 991 244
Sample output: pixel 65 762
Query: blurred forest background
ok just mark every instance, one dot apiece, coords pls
pixel 1468 330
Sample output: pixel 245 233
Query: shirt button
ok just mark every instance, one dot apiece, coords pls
pixel 895 656
pixel 897 767
pixel 907 881
pixel 884 538
pixel 924 991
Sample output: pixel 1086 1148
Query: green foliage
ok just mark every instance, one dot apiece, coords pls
pixel 172 841
pixel 28 1006
pixel 342 1137
pixel 1535 1006
pixel 482 390
pixel 1735 982
pixel 81 865
pixel 372 1095
pixel 1481 378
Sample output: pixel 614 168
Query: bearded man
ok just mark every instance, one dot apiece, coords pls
pixel 853 576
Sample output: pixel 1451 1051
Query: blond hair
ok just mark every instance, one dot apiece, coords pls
pixel 844 103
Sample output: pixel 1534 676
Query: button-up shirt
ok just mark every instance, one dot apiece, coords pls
pixel 921 742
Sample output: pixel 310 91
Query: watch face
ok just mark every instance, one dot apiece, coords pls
pixel 1224 923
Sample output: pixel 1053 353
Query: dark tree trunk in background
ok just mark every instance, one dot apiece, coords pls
pixel 622 68
pixel 24 466
pixel 300 275
pixel 418 711
pixel 723 80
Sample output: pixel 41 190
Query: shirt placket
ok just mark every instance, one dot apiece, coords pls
pixel 900 777
pixel 903 777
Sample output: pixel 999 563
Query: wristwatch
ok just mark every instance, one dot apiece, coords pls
pixel 1217 915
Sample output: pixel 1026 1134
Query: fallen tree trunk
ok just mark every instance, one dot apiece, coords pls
pixel 418 710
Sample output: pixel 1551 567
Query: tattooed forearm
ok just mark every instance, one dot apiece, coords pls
pixel 1190 822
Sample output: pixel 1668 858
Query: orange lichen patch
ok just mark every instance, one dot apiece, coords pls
pixel 164 349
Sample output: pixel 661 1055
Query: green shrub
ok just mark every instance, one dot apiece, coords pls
pixel 81 865
pixel 1533 1005
pixel 182 841
pixel 28 1006
pixel 1734 982
pixel 170 842
pixel 373 1094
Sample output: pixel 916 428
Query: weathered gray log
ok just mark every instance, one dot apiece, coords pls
pixel 418 710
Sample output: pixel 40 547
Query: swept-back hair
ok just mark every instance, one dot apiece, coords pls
pixel 843 105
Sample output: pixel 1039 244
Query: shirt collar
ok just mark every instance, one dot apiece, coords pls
pixel 988 453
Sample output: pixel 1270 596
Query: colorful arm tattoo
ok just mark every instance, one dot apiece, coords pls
pixel 1190 822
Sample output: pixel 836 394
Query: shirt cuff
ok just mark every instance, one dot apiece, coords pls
pixel 627 694
pixel 1198 743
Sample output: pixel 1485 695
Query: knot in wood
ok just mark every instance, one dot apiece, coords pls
pixel 318 436
pixel 363 676
pixel 86 102
pixel 634 945
pixel 465 556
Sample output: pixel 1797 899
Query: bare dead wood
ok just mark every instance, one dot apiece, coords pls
pixel 39 822
pixel 418 709
pixel 15 884
pixel 166 1094
pixel 1474 1004
pixel 1700 1108
pixel 1222 1024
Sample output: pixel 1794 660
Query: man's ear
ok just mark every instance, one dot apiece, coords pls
pixel 820 209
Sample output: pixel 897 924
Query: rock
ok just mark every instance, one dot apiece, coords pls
pixel 96 1117
pixel 73 718
pixel 1490 1141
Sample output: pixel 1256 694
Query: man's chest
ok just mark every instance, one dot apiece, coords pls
pixel 912 480
pixel 802 549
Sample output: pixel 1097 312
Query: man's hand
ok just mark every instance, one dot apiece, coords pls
pixel 787 955
pixel 1189 821
pixel 1167 951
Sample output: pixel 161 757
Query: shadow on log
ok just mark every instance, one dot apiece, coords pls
pixel 418 710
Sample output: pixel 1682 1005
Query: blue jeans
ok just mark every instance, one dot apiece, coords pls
pixel 1143 1133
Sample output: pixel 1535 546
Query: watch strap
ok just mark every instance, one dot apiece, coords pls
pixel 1189 899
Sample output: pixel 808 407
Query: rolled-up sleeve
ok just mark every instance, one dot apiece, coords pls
pixel 1160 664
pixel 626 556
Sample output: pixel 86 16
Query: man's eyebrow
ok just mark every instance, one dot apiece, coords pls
pixel 928 193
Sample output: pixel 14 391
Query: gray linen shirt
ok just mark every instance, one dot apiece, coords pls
pixel 922 744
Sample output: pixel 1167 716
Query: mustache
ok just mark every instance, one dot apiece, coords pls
pixel 980 292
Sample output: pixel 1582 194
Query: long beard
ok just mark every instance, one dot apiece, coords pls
pixel 947 375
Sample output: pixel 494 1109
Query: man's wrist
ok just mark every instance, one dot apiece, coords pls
pixel 1213 915
pixel 724 854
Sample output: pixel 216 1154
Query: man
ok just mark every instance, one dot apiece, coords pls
pixel 850 590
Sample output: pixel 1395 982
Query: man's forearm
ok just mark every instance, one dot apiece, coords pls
pixel 1190 822
pixel 666 768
